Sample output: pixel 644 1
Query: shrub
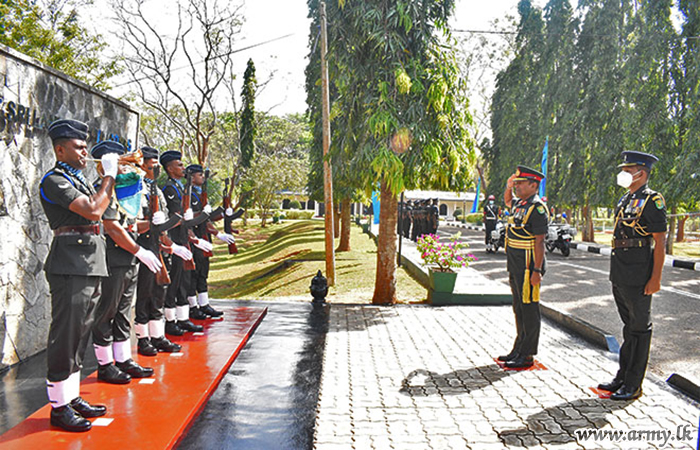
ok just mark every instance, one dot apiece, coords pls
pixel 296 215
pixel 443 257
pixel 474 218
pixel 294 204
pixel 458 212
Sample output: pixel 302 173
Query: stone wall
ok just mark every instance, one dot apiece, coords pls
pixel 31 97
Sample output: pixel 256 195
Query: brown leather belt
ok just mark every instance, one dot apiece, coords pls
pixel 631 243
pixel 78 230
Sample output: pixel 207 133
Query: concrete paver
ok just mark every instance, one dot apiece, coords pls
pixel 424 377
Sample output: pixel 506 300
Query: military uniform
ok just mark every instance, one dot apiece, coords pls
pixel 490 220
pixel 434 217
pixel 74 269
pixel 406 220
pixel 527 220
pixel 638 215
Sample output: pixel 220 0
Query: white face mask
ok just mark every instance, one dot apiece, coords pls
pixel 625 179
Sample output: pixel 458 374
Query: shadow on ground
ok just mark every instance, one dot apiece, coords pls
pixel 422 382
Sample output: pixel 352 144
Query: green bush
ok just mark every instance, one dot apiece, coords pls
pixel 296 215
pixel 474 218
pixel 458 212
pixel 294 204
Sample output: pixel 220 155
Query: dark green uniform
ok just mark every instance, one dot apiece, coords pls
pixel 198 279
pixel 631 266
pixel 176 294
pixel 528 219
pixel 113 312
pixel 74 267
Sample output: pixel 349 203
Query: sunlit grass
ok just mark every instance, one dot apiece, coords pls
pixel 280 260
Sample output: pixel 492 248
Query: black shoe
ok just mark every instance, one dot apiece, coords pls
pixel 509 357
pixel 129 366
pixel 67 418
pixel 613 386
pixel 146 348
pixel 209 311
pixel 197 314
pixel 189 326
pixel 87 410
pixel 163 344
pixel 625 393
pixel 173 329
pixel 520 362
pixel 109 373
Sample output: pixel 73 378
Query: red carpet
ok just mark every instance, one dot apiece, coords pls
pixel 149 414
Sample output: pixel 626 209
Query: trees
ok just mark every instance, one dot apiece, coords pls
pixel 270 174
pixel 200 53
pixel 51 32
pixel 249 129
pixel 398 116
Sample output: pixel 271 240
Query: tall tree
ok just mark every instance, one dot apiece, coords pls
pixel 404 125
pixel 249 129
pixel 182 66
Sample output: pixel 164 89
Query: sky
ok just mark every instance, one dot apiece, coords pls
pixel 283 62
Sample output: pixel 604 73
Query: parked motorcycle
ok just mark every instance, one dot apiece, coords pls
pixel 559 237
pixel 497 238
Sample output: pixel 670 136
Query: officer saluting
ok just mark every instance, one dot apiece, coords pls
pixel 74 267
pixel 527 226
pixel 637 259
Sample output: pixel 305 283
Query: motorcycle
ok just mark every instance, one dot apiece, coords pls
pixel 559 237
pixel 497 238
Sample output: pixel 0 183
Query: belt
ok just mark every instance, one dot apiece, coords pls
pixel 69 230
pixel 630 243
pixel 131 228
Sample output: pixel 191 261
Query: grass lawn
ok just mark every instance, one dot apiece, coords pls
pixel 688 249
pixel 278 262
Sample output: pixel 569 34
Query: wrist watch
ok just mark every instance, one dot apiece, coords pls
pixel 536 270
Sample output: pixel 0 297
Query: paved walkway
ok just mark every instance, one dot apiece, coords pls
pixel 421 377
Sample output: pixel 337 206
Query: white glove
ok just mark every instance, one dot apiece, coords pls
pixel 203 245
pixel 226 238
pixel 149 259
pixel 181 252
pixel 189 215
pixel 229 212
pixel 207 209
pixel 110 164
pixel 158 218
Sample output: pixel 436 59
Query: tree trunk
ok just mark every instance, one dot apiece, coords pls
pixel 344 245
pixel 680 234
pixel 385 282
pixel 588 232
pixel 671 231
pixel 336 220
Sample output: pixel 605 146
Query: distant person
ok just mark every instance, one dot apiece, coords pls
pixel 525 237
pixel 491 213
pixel 639 249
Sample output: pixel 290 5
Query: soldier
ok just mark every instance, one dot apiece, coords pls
pixel 434 216
pixel 150 296
pixel 491 213
pixel 527 226
pixel 112 330
pixel 636 263
pixel 177 317
pixel 198 290
pixel 74 267
pixel 406 223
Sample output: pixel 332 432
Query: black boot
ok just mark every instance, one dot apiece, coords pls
pixel 189 326
pixel 109 373
pixel 87 410
pixel 197 313
pixel 509 357
pixel 613 386
pixel 67 418
pixel 136 371
pixel 145 347
pixel 173 329
pixel 209 311
pixel 163 344
pixel 626 393
pixel 520 362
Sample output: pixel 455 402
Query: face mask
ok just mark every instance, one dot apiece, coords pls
pixel 625 179
pixel 490 202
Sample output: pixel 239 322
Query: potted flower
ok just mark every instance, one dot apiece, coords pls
pixel 441 258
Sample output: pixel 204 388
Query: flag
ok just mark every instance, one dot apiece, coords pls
pixel 475 205
pixel 543 183
pixel 128 188
pixel 375 206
